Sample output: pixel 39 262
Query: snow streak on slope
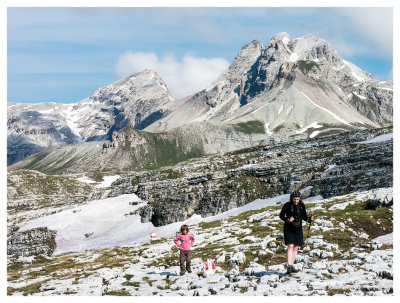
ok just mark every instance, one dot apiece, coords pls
pixel 327 110
pixel 312 125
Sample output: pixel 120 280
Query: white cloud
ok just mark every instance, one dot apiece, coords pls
pixel 183 78
pixel 375 25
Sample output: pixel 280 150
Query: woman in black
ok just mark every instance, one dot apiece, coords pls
pixel 292 213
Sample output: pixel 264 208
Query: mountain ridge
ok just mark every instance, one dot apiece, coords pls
pixel 287 86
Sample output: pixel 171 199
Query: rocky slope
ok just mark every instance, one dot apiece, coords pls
pixel 31 194
pixel 37 241
pixel 330 166
pixel 341 256
pixel 284 88
pixel 131 149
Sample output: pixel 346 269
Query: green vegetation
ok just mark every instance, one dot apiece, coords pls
pixel 97 176
pixel 149 281
pixel 170 174
pixel 129 283
pixel 121 292
pixel 160 150
pixel 167 285
pixel 44 189
pixel 212 224
pixel 66 267
pixel 250 127
pixel 36 159
pixel 336 291
pixel 28 289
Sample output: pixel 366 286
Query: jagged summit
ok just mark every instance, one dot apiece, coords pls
pixel 305 72
pixel 282 36
pixel 146 80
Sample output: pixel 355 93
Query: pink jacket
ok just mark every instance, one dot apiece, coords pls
pixel 186 241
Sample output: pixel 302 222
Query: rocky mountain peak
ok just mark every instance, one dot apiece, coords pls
pixel 146 80
pixel 315 49
pixel 282 36
pixel 254 46
pixel 242 63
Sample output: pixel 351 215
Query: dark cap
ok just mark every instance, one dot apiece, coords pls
pixel 295 194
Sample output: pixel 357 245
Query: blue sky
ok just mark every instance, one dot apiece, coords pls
pixel 64 54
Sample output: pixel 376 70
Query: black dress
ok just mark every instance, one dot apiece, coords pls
pixel 293 231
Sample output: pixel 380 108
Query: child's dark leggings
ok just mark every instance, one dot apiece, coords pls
pixel 185 255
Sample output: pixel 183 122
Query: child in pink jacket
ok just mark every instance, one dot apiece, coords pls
pixel 184 241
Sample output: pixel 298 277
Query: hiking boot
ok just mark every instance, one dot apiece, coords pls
pixel 290 269
pixel 189 271
pixel 182 273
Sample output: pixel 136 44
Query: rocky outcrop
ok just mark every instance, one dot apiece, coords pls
pixel 32 242
pixel 379 201
pixel 31 194
pixel 328 166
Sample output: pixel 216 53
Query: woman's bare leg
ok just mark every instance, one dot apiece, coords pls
pixel 293 254
pixel 290 254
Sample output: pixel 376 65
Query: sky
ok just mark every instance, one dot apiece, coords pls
pixel 64 54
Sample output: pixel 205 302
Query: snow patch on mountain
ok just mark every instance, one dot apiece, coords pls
pixel 312 125
pixel 315 133
pixel 289 109
pixel 385 239
pixel 378 139
pixel 293 57
pixel 385 88
pixel 361 97
pixel 86 180
pixel 107 181
pixel 285 40
pixel 267 130
pixel 280 110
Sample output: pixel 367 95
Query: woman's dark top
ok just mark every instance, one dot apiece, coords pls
pixel 293 231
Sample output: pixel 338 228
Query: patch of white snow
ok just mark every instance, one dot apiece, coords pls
pixel 285 40
pixel 267 130
pixel 385 88
pixel 315 133
pixel 86 180
pixel 280 110
pixel 108 180
pixel 312 125
pixel 293 57
pixel 385 239
pixel 361 97
pixel 381 138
